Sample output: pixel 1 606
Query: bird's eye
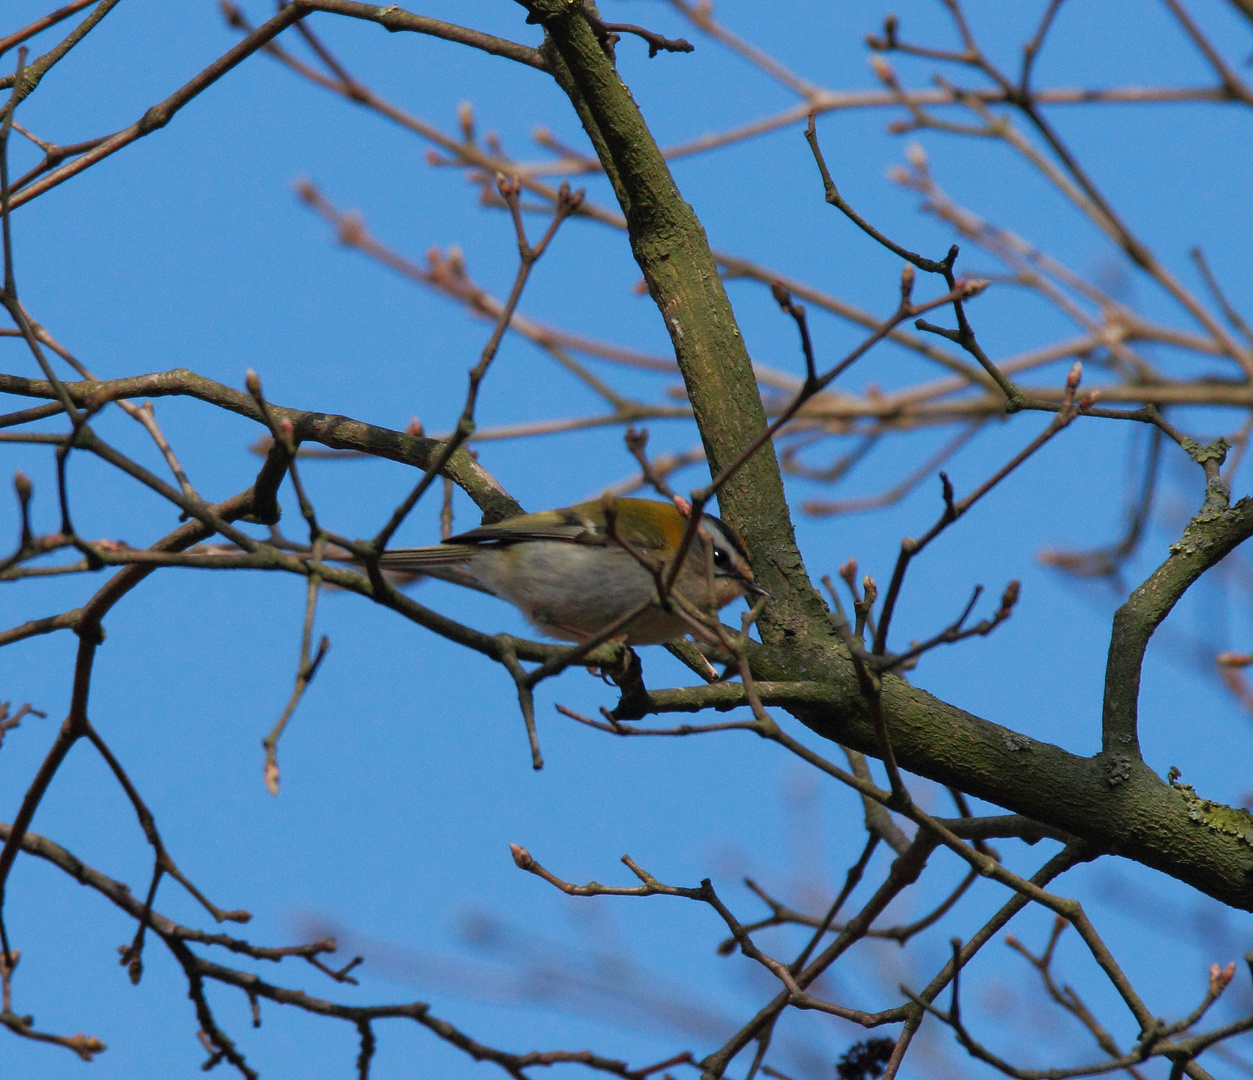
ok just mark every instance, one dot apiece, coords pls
pixel 721 558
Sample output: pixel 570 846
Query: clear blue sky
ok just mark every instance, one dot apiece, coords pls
pixel 405 771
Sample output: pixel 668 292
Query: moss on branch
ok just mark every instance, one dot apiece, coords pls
pixel 1114 802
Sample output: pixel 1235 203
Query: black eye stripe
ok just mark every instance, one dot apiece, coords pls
pixel 726 536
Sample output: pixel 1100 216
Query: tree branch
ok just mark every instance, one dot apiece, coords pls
pixel 337 432
pixel 672 250
pixel 1211 535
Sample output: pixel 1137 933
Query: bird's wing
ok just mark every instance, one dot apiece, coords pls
pixel 569 525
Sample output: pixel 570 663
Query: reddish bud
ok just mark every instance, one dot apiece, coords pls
pixel 1010 597
pixel 1220 978
pixel 465 120
pixel 883 70
pixel 907 281
pixel 508 186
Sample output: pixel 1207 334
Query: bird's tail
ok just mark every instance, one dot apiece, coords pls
pixel 423 560
pixel 444 561
pixel 448 562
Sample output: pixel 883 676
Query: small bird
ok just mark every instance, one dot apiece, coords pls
pixel 567 572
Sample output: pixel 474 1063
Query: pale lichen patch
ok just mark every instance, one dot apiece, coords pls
pixel 1232 821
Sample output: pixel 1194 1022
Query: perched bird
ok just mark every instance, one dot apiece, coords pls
pixel 569 575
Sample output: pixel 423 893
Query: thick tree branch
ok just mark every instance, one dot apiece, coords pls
pixel 1113 802
pixel 1137 814
pixel 672 250
pixel 1214 533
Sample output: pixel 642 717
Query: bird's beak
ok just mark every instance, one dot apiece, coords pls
pixel 755 589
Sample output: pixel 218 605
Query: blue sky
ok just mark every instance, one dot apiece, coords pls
pixel 405 770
